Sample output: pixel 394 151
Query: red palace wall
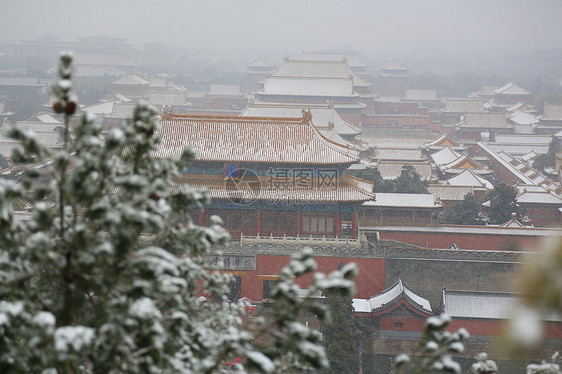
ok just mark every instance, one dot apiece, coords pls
pixel 463 241
pixel 369 282
pixel 408 323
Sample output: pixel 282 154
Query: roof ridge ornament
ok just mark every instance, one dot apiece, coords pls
pixel 167 111
pixel 306 115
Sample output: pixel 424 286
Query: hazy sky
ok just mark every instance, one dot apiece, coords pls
pixel 370 26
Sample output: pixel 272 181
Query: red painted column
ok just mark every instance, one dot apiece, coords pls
pixel 298 231
pixel 338 224
pixel 258 222
pixel 201 218
pixel 354 226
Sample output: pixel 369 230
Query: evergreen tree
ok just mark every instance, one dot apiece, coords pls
pixel 340 335
pixel 433 352
pixel 106 277
pixel 548 159
pixel 466 212
pixel 410 181
pixel 374 175
pixel 502 203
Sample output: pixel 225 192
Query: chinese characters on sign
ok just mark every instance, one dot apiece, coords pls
pixel 231 262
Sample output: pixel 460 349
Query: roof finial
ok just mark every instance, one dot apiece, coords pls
pixel 306 115
pixel 167 110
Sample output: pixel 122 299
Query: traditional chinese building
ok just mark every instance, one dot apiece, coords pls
pixel 484 315
pixel 542 207
pixel 306 82
pixel 400 208
pixel 324 117
pixel 353 59
pixel 483 126
pixel 393 79
pixel 395 319
pixel 273 177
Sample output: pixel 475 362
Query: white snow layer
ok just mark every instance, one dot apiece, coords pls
pixel 74 336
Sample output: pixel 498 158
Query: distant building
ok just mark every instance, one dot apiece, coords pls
pixel 542 207
pixel 13 88
pixel 397 208
pixel 393 113
pixel 392 79
pixel 224 96
pixel 510 94
pixel 257 71
pixel 324 117
pixel 353 59
pixel 457 108
pixel 132 86
pixel 269 176
pixel 316 82
pixel 47 132
pixel 484 314
pixel 395 318
pixel 449 195
pixel 511 170
pixel 483 126
pixel 551 121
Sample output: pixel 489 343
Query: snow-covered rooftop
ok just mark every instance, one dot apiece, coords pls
pixel 539 197
pixel 123 110
pixel 329 87
pixel 402 154
pixel 352 59
pixel 131 79
pixel 481 304
pixel 319 69
pixel 523 118
pixel 462 163
pixel 552 112
pixel 245 139
pixel 490 120
pixel 100 109
pixel 266 188
pixel 391 296
pixel 450 193
pixel 262 62
pixel 394 66
pixel 168 98
pixel 497 156
pixel 322 115
pixel 393 169
pixel 420 95
pixel 469 178
pixel 511 89
pixel 444 156
pixel 17 81
pixel 463 105
pixel 404 200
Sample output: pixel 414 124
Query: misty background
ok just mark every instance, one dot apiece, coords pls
pixel 374 27
pixel 455 47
